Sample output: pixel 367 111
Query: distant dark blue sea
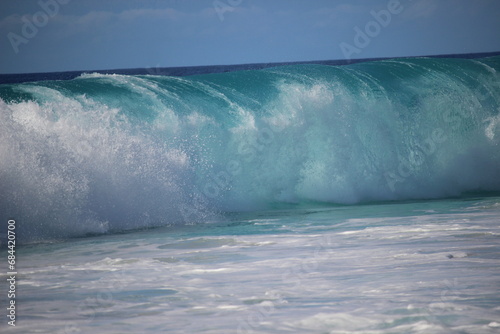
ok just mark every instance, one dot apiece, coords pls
pixel 320 197
pixel 194 70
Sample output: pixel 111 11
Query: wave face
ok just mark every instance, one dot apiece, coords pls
pixel 112 152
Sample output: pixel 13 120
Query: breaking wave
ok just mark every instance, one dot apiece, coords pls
pixel 113 152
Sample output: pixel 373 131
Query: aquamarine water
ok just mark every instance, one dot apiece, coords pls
pixel 416 267
pixel 304 198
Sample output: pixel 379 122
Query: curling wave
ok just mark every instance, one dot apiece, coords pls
pixel 111 152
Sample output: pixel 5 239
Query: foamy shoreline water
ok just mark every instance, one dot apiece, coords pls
pixel 433 269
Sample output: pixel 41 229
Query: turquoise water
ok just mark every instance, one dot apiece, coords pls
pixel 302 198
pixel 415 267
pixel 106 153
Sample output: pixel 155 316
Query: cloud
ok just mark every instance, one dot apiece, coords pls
pixel 100 23
pixel 162 14
pixel 10 21
pixel 422 9
pixel 97 18
pixel 90 19
pixel 337 16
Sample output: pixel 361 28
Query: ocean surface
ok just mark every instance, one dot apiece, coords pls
pixel 285 198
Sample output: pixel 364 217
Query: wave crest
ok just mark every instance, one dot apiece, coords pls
pixel 112 152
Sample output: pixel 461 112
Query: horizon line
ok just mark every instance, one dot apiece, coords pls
pixel 338 62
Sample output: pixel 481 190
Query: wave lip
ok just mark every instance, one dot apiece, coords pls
pixel 113 152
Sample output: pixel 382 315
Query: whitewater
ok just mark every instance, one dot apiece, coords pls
pixel 303 198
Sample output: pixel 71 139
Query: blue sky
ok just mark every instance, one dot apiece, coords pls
pixel 62 35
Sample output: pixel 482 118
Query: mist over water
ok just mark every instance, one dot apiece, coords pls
pixel 106 153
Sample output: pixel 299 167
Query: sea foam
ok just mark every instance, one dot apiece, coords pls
pixel 103 153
